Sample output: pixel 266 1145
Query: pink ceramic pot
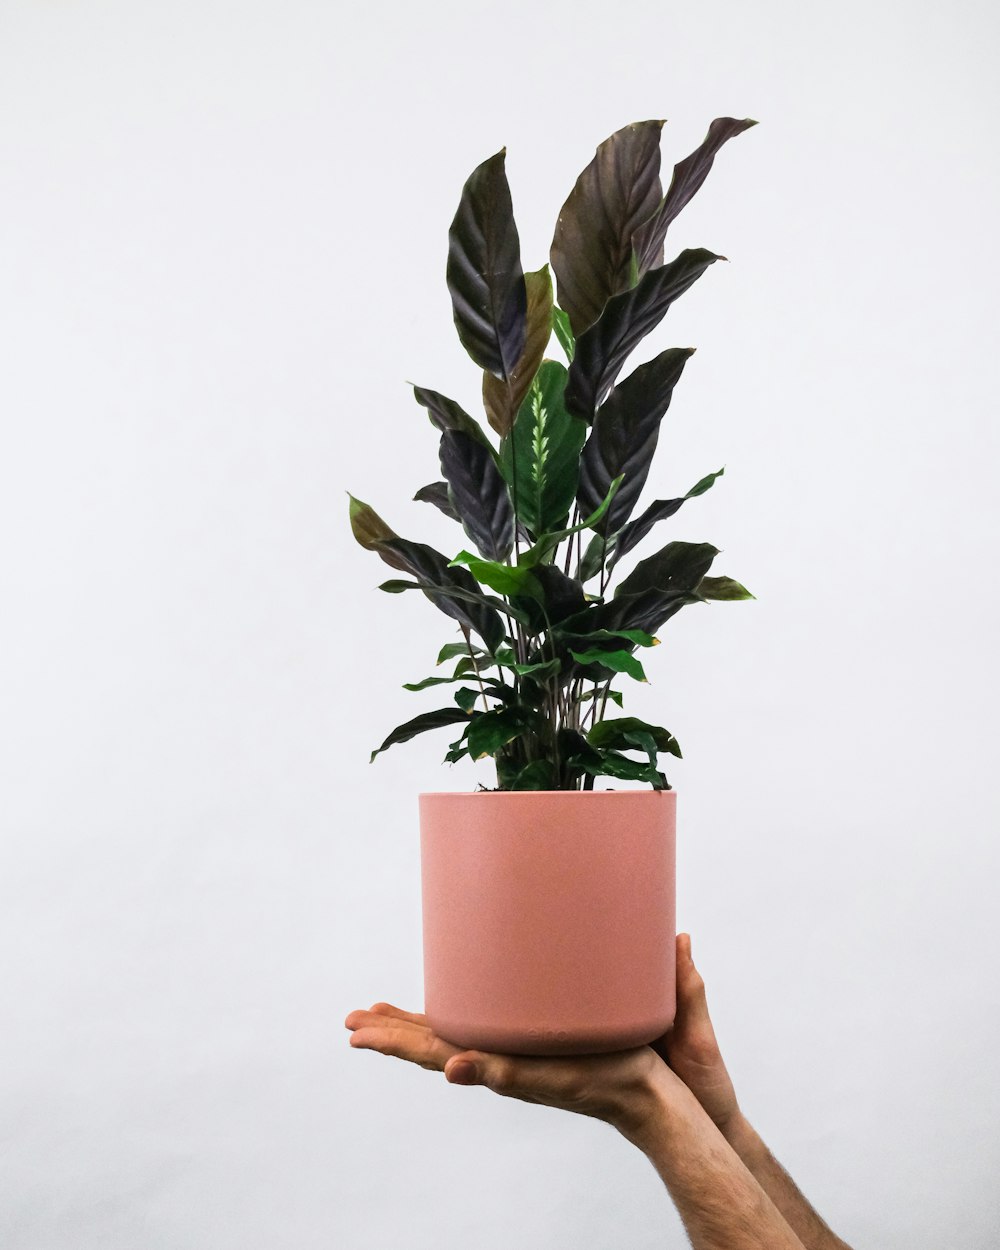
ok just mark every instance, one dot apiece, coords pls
pixel 549 918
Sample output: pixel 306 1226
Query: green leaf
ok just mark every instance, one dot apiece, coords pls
pixel 593 558
pixel 546 543
pixel 689 174
pixel 625 433
pixel 538 775
pixel 478 494
pixel 564 333
pixel 540 460
pixel 614 765
pixel 457 750
pixel 626 320
pixel 492 730
pixel 615 733
pixel 616 661
pixel 639 740
pixel 434 681
pixel 592 248
pixel 454 650
pixel 484 272
pixel 463 671
pixel 598 693
pixel 420 724
pixel 506 579
pixel 723 588
pixel 502 399
pixel 534 670
pixel 467 697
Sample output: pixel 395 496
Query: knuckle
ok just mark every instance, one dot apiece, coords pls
pixel 500 1074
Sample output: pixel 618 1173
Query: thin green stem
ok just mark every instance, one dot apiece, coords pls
pixel 479 676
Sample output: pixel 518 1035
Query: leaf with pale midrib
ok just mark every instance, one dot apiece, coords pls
pixel 544 449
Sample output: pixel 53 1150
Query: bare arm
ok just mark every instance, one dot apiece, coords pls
pixel 722 1206
pixel 693 1052
pixel 721 1203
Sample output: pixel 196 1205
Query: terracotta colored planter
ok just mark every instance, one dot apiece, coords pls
pixel 549 918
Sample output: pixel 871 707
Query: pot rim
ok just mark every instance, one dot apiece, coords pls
pixel 520 794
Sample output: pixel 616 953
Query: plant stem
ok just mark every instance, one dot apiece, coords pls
pixel 472 657
pixel 569 545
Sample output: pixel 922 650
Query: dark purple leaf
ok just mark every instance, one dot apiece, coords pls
pixel 440 582
pixel 658 510
pixel 484 271
pixel 437 494
pixel 652 593
pixel 624 435
pixel 478 494
pixel 675 566
pixel 502 399
pixel 626 320
pixel 591 251
pixel 688 176
pixel 446 414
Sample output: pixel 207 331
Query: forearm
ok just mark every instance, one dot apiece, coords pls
pixel 722 1205
pixel 809 1227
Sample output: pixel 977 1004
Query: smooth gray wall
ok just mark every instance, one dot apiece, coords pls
pixel 222 258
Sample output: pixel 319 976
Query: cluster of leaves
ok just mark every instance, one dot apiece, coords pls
pixel 543 640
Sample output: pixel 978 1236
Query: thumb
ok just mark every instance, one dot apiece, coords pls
pixel 691 998
pixel 465 1069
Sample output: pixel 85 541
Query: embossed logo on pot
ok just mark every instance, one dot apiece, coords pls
pixel 548 1035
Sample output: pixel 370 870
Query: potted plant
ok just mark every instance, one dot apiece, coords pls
pixel 548 906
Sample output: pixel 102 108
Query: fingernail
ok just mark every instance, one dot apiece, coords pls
pixel 463 1073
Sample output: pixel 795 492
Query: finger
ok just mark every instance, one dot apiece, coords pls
pixel 387 1009
pixel 419 1046
pixel 362 1019
pixel 690 985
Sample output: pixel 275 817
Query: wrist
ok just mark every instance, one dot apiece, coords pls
pixel 663 1111
pixel 741 1135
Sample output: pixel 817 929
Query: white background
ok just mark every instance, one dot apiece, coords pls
pixel 222 258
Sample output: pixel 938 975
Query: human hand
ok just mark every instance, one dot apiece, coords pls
pixel 690 1046
pixel 625 1088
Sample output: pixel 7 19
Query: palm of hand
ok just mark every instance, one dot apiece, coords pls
pixel 608 1087
pixel 613 1087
